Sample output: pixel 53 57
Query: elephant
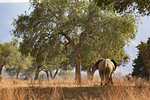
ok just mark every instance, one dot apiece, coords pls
pixel 106 68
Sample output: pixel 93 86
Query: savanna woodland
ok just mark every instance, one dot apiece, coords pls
pixel 74 33
pixel 60 36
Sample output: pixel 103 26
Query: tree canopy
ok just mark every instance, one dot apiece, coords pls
pixel 11 58
pixel 141 6
pixel 74 30
pixel 142 62
pixel 8 55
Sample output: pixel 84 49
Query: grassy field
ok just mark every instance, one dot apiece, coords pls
pixel 62 89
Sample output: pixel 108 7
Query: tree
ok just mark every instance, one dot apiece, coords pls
pixel 143 6
pixel 142 62
pixel 21 64
pixel 79 30
pixel 8 55
pixel 11 58
pixel 53 62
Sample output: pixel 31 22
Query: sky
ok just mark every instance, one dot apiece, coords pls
pixel 10 9
pixel 9 12
pixel 142 35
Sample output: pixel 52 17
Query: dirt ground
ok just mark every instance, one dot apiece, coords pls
pixel 12 89
pixel 75 93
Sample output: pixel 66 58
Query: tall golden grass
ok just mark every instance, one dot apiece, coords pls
pixel 13 89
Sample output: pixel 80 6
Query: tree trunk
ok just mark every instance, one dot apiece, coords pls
pixel 53 76
pixel 77 73
pixel 56 72
pixel 90 74
pixel 1 67
pixel 75 47
pixel 47 74
pixel 17 73
pixel 37 72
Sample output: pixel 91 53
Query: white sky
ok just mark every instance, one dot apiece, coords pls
pixel 13 1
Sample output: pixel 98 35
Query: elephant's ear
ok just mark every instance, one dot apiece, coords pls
pixel 114 63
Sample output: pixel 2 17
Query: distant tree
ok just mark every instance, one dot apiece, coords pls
pixel 11 58
pixel 142 6
pixel 142 62
pixel 54 62
pixel 79 30
pixel 21 64
pixel 11 72
pixel 8 55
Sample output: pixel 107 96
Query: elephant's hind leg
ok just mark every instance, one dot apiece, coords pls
pixel 110 81
pixel 101 75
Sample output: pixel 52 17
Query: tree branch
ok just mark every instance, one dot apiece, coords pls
pixel 70 40
pixel 65 44
pixel 55 73
pixel 52 11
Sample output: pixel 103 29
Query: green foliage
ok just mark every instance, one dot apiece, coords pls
pixel 11 58
pixel 126 5
pixel 142 62
pixel 57 32
pixel 108 42
pixel 8 54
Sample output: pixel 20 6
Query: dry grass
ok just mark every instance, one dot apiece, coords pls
pixel 12 89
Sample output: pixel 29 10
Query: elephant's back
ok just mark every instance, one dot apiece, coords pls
pixel 106 64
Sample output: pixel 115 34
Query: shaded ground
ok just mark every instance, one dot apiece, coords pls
pixel 75 93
